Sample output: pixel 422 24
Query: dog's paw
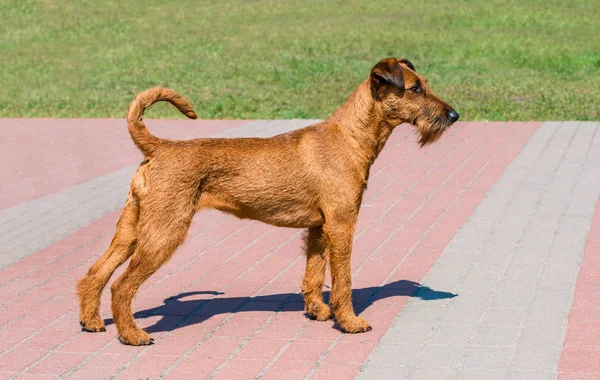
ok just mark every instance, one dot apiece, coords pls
pixel 136 338
pixel 95 324
pixel 355 325
pixel 319 311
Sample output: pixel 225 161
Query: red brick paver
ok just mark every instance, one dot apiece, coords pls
pixel 227 305
pixel 580 356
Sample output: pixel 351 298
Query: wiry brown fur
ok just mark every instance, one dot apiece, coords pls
pixel 310 178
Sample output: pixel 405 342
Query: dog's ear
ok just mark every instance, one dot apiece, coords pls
pixel 408 63
pixel 387 72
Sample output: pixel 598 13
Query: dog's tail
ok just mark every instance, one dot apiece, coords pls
pixel 146 142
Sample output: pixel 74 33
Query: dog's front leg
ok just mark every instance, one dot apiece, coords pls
pixel 339 238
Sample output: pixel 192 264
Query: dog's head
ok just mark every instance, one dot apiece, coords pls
pixel 404 97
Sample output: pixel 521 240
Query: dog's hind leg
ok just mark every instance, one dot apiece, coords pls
pixel 162 228
pixel 121 248
pixel 314 277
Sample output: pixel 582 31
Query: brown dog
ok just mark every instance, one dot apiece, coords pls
pixel 310 178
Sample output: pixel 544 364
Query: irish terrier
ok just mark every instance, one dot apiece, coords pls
pixel 310 178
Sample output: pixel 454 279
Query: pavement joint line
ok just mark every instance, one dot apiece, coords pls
pixel 199 307
pixel 41 222
pixel 74 266
pixel 57 275
pixel 254 334
pixel 493 292
pixel 265 324
pixel 282 351
pixel 559 222
pixel 404 193
pixel 404 139
pixel 49 262
pixel 396 177
pixel 79 196
pixel 519 241
pixel 99 351
pixel 8 325
pixel 429 196
pixel 444 212
pixel 284 303
pixel 95 256
pixel 218 265
pixel 420 239
pixel 51 351
pixel 411 366
pixel 205 250
pixel 399 175
pixel 269 319
pixel 80 333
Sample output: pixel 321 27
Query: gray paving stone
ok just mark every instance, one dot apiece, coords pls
pixel 395 355
pixel 407 333
pixel 531 375
pixel 543 316
pixel 518 256
pixel 501 335
pixel 553 299
pixel 481 275
pixel 503 316
pixel 439 356
pixel 470 296
pixel 452 335
pixel 488 357
pixel 481 374
pixel 33 225
pixel 376 371
pixel 465 314
pixel 508 297
pixel 521 275
pixel 450 278
pixel 266 128
pixel 427 312
pixel 431 373
pixel 528 358
pixel 541 336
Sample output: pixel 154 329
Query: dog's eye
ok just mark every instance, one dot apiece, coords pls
pixel 416 89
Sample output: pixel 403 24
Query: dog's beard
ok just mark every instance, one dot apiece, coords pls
pixel 430 131
pixel 430 136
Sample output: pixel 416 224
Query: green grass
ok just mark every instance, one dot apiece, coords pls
pixel 249 59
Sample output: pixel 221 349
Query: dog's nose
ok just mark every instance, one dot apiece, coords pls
pixel 453 115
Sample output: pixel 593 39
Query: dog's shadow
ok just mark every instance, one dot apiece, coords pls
pixel 203 309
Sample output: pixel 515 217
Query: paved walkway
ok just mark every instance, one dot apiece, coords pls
pixel 477 257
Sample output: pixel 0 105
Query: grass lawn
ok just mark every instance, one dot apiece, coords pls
pixel 250 59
